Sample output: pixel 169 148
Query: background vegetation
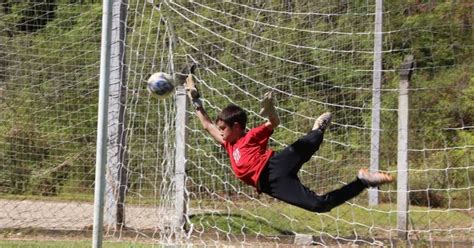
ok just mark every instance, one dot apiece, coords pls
pixel 49 65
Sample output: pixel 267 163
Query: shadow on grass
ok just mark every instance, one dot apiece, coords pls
pixel 228 221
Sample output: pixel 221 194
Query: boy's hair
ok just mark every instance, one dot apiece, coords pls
pixel 231 114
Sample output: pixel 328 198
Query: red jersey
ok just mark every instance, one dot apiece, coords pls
pixel 249 154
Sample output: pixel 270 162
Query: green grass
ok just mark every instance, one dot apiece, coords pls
pixel 251 219
pixel 344 221
pixel 59 198
pixel 78 197
pixel 67 244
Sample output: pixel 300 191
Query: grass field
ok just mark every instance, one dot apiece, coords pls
pixel 241 221
pixel 68 244
pixel 344 221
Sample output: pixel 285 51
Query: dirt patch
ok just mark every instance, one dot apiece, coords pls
pixel 72 215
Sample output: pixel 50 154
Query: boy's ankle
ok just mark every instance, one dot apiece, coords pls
pixel 373 179
pixel 323 121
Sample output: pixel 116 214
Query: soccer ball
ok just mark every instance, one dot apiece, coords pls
pixel 160 84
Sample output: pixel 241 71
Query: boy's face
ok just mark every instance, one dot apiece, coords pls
pixel 228 133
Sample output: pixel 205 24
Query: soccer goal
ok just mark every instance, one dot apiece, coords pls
pixel 396 75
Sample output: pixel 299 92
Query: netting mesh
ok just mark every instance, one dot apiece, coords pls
pixel 315 56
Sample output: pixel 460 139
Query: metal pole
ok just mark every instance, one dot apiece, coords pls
pixel 101 149
pixel 180 153
pixel 402 154
pixel 377 78
pixel 180 160
pixel 116 178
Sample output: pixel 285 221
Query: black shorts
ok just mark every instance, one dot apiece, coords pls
pixel 279 178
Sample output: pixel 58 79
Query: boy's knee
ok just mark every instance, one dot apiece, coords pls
pixel 321 209
pixel 322 205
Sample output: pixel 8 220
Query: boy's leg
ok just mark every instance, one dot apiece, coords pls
pixel 307 145
pixel 290 190
pixel 295 155
pixel 289 160
pixel 364 179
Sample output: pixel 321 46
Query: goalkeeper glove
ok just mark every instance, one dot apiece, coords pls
pixel 267 104
pixel 192 92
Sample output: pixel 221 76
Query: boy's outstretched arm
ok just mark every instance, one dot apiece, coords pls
pixel 268 110
pixel 202 115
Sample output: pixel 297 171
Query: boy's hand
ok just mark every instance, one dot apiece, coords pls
pixel 190 87
pixel 180 77
pixel 267 103
pixel 192 91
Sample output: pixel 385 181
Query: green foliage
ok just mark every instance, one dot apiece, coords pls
pixel 325 58
pixel 22 153
pixel 337 70
pixel 71 243
pixel 50 46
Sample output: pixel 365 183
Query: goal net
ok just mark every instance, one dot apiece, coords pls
pixel 315 56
